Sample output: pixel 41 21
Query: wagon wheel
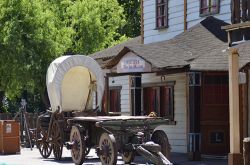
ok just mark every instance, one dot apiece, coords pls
pixel 160 137
pixel 78 151
pixel 43 145
pixel 107 145
pixel 128 157
pixel 57 140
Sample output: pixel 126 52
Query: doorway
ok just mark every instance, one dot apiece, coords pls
pixel 214 114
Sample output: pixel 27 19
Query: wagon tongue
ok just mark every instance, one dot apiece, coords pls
pixel 152 152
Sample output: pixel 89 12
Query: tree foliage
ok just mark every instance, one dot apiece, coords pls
pixel 132 13
pixel 34 32
pixel 31 36
pixel 95 24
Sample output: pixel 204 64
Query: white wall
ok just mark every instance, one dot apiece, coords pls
pixel 176 18
pixel 193 12
pixel 248 104
pixel 175 21
pixel 122 81
pixel 177 134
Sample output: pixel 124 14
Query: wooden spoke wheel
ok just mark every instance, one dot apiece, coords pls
pixel 42 143
pixel 108 148
pixel 128 157
pixel 78 151
pixel 160 137
pixel 57 140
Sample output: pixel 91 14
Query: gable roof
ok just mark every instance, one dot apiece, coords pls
pixel 203 47
pixel 113 51
pixel 185 49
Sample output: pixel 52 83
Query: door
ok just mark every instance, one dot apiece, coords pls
pixel 214 115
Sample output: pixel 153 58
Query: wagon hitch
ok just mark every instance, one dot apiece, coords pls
pixel 152 152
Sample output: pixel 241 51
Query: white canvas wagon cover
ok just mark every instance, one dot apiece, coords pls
pixel 71 82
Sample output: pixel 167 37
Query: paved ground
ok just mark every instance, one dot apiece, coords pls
pixel 28 157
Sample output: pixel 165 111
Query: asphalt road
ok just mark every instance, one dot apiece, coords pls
pixel 28 157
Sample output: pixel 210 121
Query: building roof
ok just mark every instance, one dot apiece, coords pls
pixel 203 47
pixel 113 51
pixel 104 56
pixel 184 49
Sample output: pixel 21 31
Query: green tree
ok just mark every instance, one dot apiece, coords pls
pixel 31 36
pixel 96 24
pixel 132 13
pixel 35 32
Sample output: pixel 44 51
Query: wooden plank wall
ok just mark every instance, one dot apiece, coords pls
pixel 248 91
pixel 175 21
pixel 122 81
pixel 177 134
pixel 193 12
pixel 176 18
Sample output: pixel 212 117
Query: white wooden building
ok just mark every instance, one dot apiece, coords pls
pixel 181 57
pixel 182 15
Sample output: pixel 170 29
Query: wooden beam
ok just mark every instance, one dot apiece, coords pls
pixel 236 26
pixel 234 157
pixel 185 15
pixel 142 21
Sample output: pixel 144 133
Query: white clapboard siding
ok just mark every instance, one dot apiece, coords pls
pixel 175 21
pixel 248 104
pixel 176 18
pixel 122 81
pixel 193 12
pixel 177 134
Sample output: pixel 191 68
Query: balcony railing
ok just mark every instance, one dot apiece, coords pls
pixel 240 11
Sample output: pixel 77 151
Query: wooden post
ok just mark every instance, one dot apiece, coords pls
pixel 234 157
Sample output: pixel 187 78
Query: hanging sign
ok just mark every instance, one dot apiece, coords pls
pixel 132 63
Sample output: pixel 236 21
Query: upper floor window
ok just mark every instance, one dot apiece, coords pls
pixel 208 7
pixel 161 14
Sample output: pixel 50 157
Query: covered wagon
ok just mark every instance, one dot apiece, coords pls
pixel 74 83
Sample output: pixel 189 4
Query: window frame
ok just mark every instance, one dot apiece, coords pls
pixel 157 27
pixel 209 8
pixel 169 85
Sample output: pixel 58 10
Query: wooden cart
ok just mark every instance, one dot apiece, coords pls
pixel 74 123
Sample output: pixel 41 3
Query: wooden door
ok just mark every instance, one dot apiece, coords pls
pixel 214 114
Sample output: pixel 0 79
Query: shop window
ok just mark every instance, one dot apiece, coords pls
pixel 161 14
pixel 159 100
pixel 209 7
pixel 115 100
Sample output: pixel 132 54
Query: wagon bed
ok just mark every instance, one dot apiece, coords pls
pixel 113 118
